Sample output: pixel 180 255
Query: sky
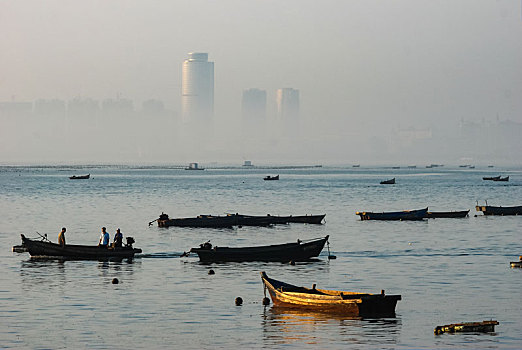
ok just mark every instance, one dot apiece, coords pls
pixel 376 78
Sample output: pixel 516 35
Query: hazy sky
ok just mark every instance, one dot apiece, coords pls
pixel 359 65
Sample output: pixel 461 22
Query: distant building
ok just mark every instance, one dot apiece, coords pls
pixel 248 163
pixel 253 105
pixel 79 107
pixel 153 107
pixel 49 107
pixel 197 88
pixel 120 107
pixel 287 100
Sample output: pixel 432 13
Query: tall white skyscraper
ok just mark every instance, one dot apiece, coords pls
pixel 287 100
pixel 197 88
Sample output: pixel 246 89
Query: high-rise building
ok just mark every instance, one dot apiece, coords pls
pixel 287 100
pixel 253 105
pixel 197 88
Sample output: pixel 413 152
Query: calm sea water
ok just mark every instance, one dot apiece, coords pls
pixel 447 270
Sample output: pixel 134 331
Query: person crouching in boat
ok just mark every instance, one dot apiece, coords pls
pixel 118 239
pixel 104 238
pixel 61 237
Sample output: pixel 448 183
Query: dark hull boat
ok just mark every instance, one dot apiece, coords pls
pixel 388 182
pixel 483 327
pixel 396 215
pixel 447 214
pixel 298 251
pixel 491 210
pixel 491 178
pixel 80 177
pixel 330 301
pixel 505 179
pixel 41 249
pixel 232 220
pixel 268 178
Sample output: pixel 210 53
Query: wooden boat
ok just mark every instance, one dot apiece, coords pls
pixel 447 214
pixel 388 182
pixel 20 249
pixel 484 327
pixel 80 177
pixel 43 249
pixel 330 301
pixel 231 220
pixel 502 179
pixel 396 215
pixel 297 251
pixel 268 178
pixel 491 210
pixel 491 178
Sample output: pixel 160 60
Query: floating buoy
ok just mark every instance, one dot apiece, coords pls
pixel 266 301
pixel 211 272
pixel 239 301
pixel 115 281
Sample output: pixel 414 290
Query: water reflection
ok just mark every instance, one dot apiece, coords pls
pixel 289 326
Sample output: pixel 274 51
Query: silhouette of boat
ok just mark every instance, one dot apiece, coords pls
pixel 396 215
pixel 447 214
pixel 80 177
pixel 388 182
pixel 268 178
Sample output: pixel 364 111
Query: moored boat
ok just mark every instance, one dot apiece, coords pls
pixel 388 182
pixel 80 177
pixel 517 263
pixel 295 251
pixel 46 249
pixel 268 178
pixel 447 214
pixel 491 178
pixel 484 327
pixel 396 215
pixel 330 301
pixel 492 210
pixel 505 179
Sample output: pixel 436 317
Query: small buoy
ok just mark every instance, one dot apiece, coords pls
pixel 292 262
pixel 211 272
pixel 266 301
pixel 115 281
pixel 239 301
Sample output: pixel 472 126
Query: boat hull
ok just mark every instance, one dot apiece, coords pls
pixel 330 301
pixel 398 215
pixel 42 249
pixel 491 210
pixel 298 251
pixel 447 214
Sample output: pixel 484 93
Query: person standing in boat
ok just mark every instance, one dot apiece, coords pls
pixel 118 239
pixel 104 238
pixel 61 237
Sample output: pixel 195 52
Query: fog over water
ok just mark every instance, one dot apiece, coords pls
pixel 409 81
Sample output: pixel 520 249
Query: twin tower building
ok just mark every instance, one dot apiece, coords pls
pixel 197 96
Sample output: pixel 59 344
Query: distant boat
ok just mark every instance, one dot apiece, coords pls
pixel 388 182
pixel 492 210
pixel 356 166
pixel 517 263
pixel 396 167
pixel 80 177
pixel 330 301
pixel 447 214
pixel 396 215
pixel 295 251
pixel 464 166
pixel 502 179
pixel 472 167
pixel 491 166
pixel 412 166
pixel 491 178
pixel 268 178
pixel 194 166
pixel 484 327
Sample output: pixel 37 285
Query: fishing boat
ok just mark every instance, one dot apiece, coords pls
pixel 517 263
pixel 296 251
pixel 194 166
pixel 502 179
pixel 80 177
pixel 232 220
pixel 388 182
pixel 447 214
pixel 483 327
pixel 395 215
pixel 491 178
pixel 330 301
pixel 268 178
pixel 47 249
pixel 492 210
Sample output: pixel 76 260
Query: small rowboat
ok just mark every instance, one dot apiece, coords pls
pixel 330 301
pixel 388 182
pixel 502 179
pixel 80 177
pixel 517 263
pixel 484 327
pixel 268 178
pixel 43 249
pixel 447 214
pixel 491 210
pixel 396 215
pixel 296 251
